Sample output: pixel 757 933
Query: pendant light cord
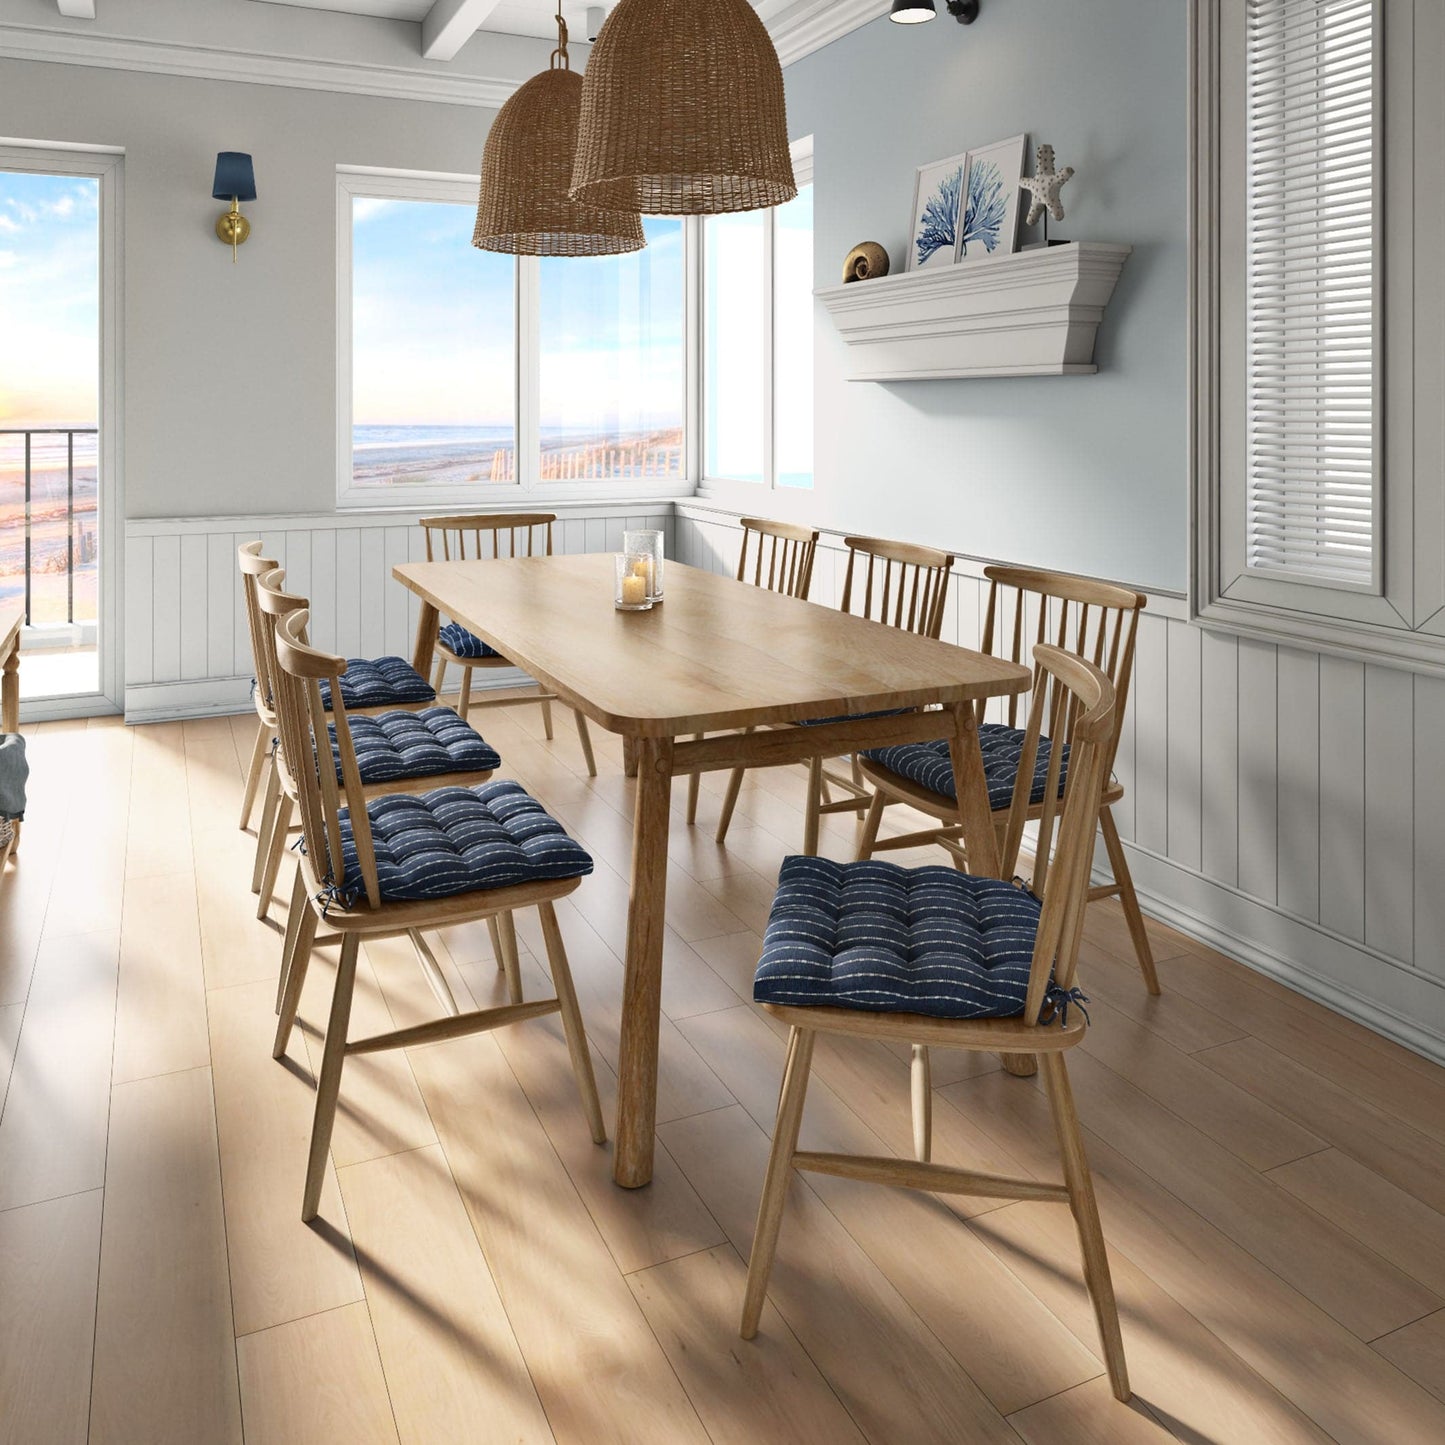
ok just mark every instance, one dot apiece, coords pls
pixel 560 53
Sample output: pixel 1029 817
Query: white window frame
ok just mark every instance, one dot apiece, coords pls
pixel 362 181
pixel 1399 620
pixel 107 165
pixel 737 489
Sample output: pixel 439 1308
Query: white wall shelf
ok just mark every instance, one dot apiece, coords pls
pixel 1034 313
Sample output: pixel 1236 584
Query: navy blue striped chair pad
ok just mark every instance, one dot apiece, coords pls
pixel 456 639
pixel 818 722
pixel 886 939
pixel 460 840
pixel 379 682
pixel 930 766
pixel 392 746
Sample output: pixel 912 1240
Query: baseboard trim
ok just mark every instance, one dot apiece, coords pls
pixel 1217 915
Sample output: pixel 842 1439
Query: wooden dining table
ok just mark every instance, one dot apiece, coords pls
pixel 11 618
pixel 715 657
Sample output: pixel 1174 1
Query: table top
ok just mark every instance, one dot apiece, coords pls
pixel 716 654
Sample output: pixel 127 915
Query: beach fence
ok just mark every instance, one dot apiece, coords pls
pixel 46 530
pixel 658 455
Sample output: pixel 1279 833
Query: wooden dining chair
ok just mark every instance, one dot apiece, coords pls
pixel 778 556
pixel 401 863
pixel 474 537
pixel 900 585
pixel 1096 620
pixel 398 750
pixel 933 956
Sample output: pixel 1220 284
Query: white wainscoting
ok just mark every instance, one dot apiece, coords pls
pixel 187 651
pixel 1282 805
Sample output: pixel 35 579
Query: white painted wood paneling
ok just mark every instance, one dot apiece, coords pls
pixel 1285 806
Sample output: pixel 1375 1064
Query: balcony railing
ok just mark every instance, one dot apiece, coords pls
pixel 30 469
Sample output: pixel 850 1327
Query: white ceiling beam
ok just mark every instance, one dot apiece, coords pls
pixel 449 24
pixel 77 9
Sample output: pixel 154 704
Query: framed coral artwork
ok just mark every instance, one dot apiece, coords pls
pixel 988 209
pixel 933 233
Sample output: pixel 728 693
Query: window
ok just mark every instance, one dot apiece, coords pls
pixel 467 376
pixel 1319 479
pixel 757 359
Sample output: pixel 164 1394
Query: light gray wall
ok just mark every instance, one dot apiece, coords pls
pixel 1085 473
pixel 230 371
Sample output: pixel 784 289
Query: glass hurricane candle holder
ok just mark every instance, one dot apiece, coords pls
pixel 647 544
pixel 634 581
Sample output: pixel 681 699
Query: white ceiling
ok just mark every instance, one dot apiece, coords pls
pixel 511 17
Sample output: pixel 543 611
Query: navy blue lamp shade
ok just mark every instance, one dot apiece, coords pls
pixel 911 12
pixel 234 177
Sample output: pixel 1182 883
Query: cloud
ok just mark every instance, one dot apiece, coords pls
pixel 8 226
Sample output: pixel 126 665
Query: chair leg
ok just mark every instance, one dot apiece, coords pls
pixel 730 801
pixel 438 677
pixel 775 1182
pixel 870 826
pixel 464 702
pixel 294 967
pixel 511 965
pixel 572 1022
pixel 861 785
pixel 293 921
pixel 585 738
pixel 280 829
pixel 253 774
pixel 921 1077
pixel 812 816
pixel 546 702
pixel 1119 864
pixel 694 787
pixel 1086 1218
pixel 328 1083
pixel 272 795
pixel 496 936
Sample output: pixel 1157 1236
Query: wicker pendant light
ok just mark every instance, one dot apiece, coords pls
pixel 682 112
pixel 524 208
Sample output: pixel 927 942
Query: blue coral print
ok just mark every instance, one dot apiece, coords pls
pixel 984 212
pixel 940 217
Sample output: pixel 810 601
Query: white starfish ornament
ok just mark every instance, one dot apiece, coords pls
pixel 1045 186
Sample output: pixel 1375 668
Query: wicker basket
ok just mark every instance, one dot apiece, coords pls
pixel 683 112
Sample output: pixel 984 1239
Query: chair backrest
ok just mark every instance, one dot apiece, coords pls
pixel 901 584
pixel 253 567
pixel 472 536
pixel 306 745
pixel 781 556
pixel 1074 700
pixel 1095 620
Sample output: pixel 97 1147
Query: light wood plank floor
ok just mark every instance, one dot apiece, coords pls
pixel 1271 1176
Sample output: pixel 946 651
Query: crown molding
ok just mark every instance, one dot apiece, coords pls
pixel 809 25
pixel 206 62
pixel 803 28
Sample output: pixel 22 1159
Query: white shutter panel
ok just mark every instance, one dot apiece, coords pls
pixel 1312 512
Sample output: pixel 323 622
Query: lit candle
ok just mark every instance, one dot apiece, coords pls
pixel 634 591
pixel 643 568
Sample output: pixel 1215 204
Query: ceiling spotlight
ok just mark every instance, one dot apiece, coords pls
pixel 596 14
pixel 911 12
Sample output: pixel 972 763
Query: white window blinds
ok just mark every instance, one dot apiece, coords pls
pixel 1312 512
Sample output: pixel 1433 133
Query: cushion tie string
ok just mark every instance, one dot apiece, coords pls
pixel 332 892
pixel 1058 1000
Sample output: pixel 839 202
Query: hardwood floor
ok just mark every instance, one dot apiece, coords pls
pixel 1271 1176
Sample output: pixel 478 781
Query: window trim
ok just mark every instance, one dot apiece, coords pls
pixel 1401 626
pixel 741 489
pixel 528 489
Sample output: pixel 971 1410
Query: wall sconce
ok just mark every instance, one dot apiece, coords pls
pixel 235 182
pixel 913 12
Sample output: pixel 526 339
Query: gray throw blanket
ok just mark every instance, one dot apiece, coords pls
pixel 13 772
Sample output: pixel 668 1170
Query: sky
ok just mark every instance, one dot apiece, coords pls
pixel 49 299
pixel 432 325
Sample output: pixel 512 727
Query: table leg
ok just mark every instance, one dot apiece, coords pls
pixel 642 984
pixel 629 755
pixel 428 624
pixel 10 692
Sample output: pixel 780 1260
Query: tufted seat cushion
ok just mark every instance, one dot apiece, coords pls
pixel 379 682
pixel 897 940
pixel 456 639
pixel 461 840
pixel 930 766
pixel 396 745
